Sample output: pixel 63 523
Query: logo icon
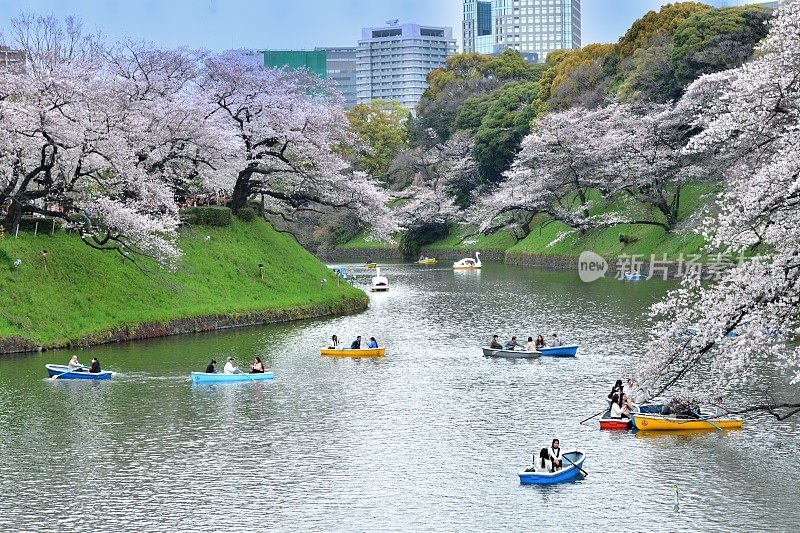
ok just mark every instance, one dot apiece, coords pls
pixel 591 266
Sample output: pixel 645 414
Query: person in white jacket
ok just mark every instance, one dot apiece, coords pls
pixel 230 368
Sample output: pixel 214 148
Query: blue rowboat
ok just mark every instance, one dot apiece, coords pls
pixel 64 372
pixel 560 351
pixel 633 277
pixel 569 472
pixel 220 377
pixel 510 354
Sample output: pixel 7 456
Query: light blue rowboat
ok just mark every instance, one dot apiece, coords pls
pixel 220 377
pixel 569 350
pixel 633 277
pixel 510 354
pixel 64 372
pixel 568 473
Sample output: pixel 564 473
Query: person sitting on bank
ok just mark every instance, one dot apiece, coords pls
pixel 95 368
pixel 372 343
pixel 356 344
pixel 495 344
pixel 257 367
pixel 530 346
pixel 555 455
pixel 230 368
pixel 512 344
pixel 539 342
pixel 212 367
pixel 555 341
pixel 74 364
pixel 334 342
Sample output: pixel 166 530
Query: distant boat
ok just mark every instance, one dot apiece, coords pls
pixel 653 422
pixel 426 260
pixel 568 350
pixel 632 276
pixel 379 283
pixel 361 352
pixel 567 473
pixel 371 265
pixel 64 372
pixel 510 354
pixel 468 263
pixel 221 377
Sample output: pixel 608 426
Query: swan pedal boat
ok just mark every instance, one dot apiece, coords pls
pixel 468 263
pixel 427 261
pixel 379 283
pixel 64 372
pixel 569 472
pixel 652 422
pixel 361 352
pixel 511 354
pixel 221 377
pixel 568 350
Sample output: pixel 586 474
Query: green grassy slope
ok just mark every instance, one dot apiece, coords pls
pixel 85 291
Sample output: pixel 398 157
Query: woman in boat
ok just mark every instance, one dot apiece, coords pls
pixel 626 406
pixel 372 343
pixel 212 367
pixel 230 368
pixel 257 367
pixel 539 342
pixel 74 363
pixel 616 389
pixel 530 346
pixel 616 410
pixel 628 388
pixel 555 455
pixel 541 463
pixel 334 342
pixel 495 344
pixel 95 368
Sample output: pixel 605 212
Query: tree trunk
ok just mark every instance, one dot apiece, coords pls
pixel 13 217
pixel 241 191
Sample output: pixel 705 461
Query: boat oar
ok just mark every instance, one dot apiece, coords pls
pixel 245 373
pixel 73 371
pixel 594 415
pixel 576 466
pixel 709 421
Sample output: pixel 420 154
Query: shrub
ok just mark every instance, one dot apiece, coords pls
pixel 246 213
pixel 627 239
pixel 207 216
pixel 414 239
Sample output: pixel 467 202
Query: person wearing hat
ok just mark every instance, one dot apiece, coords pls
pixel 230 368
pixel 212 367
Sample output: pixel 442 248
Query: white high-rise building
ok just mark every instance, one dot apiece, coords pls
pixel 528 26
pixel 392 61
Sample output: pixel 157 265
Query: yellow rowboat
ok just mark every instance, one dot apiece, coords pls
pixel 364 352
pixel 371 265
pixel 427 261
pixel 668 423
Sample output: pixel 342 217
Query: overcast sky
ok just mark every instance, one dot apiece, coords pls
pixel 223 24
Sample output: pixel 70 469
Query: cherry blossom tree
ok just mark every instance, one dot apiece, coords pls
pixel 66 147
pixel 752 115
pixel 289 127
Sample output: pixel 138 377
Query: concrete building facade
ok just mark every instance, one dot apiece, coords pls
pixel 392 61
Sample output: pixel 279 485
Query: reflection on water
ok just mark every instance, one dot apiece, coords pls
pixel 429 438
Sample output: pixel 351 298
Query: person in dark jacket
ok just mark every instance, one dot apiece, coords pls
pixel 212 367
pixel 356 344
pixel 95 368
